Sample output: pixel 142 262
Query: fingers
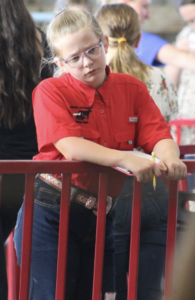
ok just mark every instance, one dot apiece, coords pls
pixel 177 171
pixel 162 166
pixel 146 175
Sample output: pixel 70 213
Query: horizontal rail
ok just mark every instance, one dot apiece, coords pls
pixel 182 122
pixel 49 166
pixel 190 163
pixel 67 167
pixel 58 167
pixel 186 149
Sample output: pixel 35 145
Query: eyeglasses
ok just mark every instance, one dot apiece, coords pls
pixel 77 61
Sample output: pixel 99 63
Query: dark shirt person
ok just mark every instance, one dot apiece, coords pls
pixel 22 47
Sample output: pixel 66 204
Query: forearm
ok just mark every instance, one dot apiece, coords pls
pixel 74 148
pixel 169 54
pixel 166 148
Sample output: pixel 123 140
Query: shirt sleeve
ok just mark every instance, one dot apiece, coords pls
pixel 149 46
pixel 52 117
pixel 163 93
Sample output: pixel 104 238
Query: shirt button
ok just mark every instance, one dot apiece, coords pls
pixel 101 111
pixel 105 143
pixel 106 101
pixel 96 93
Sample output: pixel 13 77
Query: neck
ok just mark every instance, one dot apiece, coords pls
pixel 111 52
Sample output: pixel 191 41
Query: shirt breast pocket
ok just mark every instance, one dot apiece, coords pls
pixel 125 139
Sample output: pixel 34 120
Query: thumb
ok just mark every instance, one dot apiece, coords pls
pixel 162 166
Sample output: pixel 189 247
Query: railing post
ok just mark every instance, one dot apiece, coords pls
pixel 63 238
pixel 100 236
pixel 27 237
pixel 171 237
pixel 135 241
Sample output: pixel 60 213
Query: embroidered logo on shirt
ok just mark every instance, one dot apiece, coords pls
pixel 82 115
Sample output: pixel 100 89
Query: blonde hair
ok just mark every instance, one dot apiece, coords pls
pixel 68 21
pixel 117 21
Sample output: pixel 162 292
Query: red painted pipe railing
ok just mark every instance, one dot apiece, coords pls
pixel 178 123
pixel 30 168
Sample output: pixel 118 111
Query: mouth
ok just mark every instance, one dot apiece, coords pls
pixel 91 72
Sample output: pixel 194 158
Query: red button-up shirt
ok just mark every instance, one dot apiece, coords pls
pixel 119 115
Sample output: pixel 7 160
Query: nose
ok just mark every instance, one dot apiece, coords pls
pixel 86 61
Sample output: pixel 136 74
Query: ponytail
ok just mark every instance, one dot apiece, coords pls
pixel 126 61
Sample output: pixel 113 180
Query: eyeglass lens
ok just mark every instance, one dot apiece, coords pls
pixel 91 53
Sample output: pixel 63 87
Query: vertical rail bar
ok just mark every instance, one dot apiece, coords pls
pixel 178 135
pixel 183 185
pixel 171 237
pixel 63 238
pixel 10 268
pixel 100 236
pixel 27 237
pixel 13 270
pixel 17 275
pixel 135 241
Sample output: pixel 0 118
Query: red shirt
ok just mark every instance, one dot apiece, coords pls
pixel 119 115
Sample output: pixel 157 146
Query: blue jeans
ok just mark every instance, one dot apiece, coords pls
pixel 152 239
pixel 81 245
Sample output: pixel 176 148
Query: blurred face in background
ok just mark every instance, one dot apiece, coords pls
pixel 187 13
pixel 142 7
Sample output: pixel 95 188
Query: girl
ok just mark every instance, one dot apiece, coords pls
pixel 121 23
pixel 91 115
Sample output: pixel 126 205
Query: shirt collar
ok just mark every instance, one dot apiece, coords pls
pixel 89 91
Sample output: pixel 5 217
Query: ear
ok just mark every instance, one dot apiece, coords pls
pixel 138 40
pixel 59 63
pixel 105 43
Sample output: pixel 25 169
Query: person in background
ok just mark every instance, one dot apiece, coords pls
pixel 89 119
pixel 121 24
pixel 152 49
pixel 83 4
pixel 184 78
pixel 22 46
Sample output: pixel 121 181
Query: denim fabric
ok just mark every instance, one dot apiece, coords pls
pixel 152 239
pixel 81 245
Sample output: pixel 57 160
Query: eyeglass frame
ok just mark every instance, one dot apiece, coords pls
pixel 82 55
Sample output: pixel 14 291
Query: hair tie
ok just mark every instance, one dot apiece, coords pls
pixel 122 39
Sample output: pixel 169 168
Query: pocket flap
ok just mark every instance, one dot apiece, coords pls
pixel 124 136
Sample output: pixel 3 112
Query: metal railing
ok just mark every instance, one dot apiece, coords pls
pixel 31 168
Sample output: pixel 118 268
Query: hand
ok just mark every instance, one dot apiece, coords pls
pixel 144 169
pixel 174 167
pixel 186 45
